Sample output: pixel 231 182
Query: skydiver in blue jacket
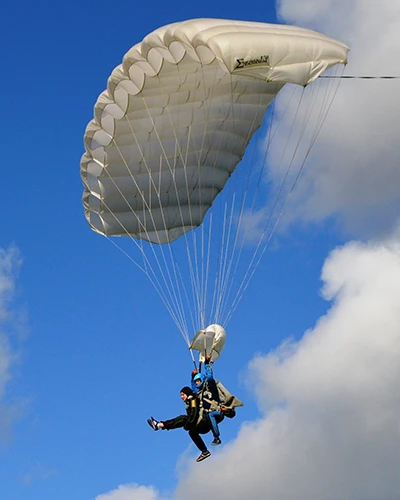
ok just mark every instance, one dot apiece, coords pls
pixel 205 387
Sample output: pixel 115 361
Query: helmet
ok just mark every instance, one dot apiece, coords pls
pixel 200 377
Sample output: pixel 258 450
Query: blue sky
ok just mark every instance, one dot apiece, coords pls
pixel 87 350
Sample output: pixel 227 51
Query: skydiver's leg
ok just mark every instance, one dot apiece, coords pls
pixel 213 417
pixel 214 426
pixel 204 426
pixel 174 423
pixel 198 441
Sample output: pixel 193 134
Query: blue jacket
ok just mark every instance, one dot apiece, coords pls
pixel 208 388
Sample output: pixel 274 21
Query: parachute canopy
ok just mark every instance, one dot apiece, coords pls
pixel 211 340
pixel 162 153
pixel 178 114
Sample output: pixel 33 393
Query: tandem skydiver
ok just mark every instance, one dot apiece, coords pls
pixel 190 422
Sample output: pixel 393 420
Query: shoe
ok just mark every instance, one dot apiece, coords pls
pixel 203 456
pixel 216 442
pixel 153 423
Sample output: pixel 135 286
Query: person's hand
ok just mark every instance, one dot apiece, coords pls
pixel 207 359
pixel 195 372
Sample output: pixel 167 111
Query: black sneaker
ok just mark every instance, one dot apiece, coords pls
pixel 153 423
pixel 203 456
pixel 216 442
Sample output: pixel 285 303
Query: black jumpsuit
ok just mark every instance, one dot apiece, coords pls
pixel 189 423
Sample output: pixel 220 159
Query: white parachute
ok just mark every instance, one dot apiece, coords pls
pixel 162 153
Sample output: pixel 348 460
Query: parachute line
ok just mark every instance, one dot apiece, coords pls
pixel 255 262
pixel 354 77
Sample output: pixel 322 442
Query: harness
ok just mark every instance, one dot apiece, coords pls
pixel 226 404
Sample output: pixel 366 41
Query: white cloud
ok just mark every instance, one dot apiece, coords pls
pixel 353 173
pixel 131 492
pixel 12 325
pixel 330 426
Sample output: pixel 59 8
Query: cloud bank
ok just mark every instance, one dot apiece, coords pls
pixel 353 173
pixel 330 405
pixel 131 492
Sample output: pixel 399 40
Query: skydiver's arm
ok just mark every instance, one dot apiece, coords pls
pixel 211 380
pixel 208 371
pixel 192 383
